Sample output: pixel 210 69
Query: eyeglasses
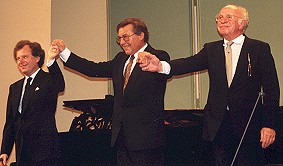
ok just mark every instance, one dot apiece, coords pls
pixel 228 17
pixel 124 37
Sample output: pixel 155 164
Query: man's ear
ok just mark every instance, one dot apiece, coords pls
pixel 37 58
pixel 141 36
pixel 243 24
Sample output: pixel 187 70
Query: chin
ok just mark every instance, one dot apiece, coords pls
pixel 128 52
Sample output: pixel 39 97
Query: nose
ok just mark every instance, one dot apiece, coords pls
pixel 122 41
pixel 20 60
pixel 222 21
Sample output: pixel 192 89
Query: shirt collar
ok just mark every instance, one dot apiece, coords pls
pixel 141 50
pixel 239 40
pixel 33 75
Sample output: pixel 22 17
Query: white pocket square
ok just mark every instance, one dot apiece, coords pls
pixel 36 89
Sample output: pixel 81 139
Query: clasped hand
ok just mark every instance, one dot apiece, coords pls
pixel 57 46
pixel 149 62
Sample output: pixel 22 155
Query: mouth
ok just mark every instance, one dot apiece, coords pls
pixel 223 26
pixel 22 66
pixel 126 46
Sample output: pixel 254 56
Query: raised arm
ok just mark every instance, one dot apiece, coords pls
pixel 54 69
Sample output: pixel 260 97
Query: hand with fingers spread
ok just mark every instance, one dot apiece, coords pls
pixel 267 136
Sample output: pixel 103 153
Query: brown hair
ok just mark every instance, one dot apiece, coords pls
pixel 35 47
pixel 138 25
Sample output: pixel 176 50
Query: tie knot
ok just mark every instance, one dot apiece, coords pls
pixel 29 80
pixel 132 57
pixel 230 43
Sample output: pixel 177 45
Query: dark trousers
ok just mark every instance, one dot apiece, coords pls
pixel 226 143
pixel 147 157
pixel 49 162
pixel 26 160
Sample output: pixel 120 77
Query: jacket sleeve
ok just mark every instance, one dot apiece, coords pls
pixel 9 129
pixel 57 77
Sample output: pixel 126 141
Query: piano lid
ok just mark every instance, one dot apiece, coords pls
pixel 99 106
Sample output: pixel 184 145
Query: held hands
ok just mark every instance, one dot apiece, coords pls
pixel 53 52
pixel 149 62
pixel 4 161
pixel 267 136
pixel 57 46
pixel 60 43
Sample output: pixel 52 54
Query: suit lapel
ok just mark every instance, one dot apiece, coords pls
pixel 121 71
pixel 34 87
pixel 17 98
pixel 134 75
pixel 242 64
pixel 217 57
pixel 136 72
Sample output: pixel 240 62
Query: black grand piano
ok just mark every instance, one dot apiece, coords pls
pixel 88 141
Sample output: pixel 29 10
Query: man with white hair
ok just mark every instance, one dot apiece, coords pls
pixel 239 68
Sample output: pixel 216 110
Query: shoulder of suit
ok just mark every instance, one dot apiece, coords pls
pixel 255 41
pixel 42 74
pixel 18 82
pixel 152 50
pixel 121 55
pixel 213 44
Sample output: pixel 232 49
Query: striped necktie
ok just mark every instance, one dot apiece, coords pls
pixel 128 71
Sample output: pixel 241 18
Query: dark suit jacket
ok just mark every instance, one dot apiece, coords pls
pixel 140 110
pixel 34 129
pixel 244 89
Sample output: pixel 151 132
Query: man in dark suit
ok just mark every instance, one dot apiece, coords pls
pixel 30 117
pixel 138 115
pixel 230 105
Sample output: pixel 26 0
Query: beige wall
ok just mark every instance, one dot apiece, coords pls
pixel 83 26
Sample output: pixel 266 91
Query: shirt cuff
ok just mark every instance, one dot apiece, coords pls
pixel 64 55
pixel 48 64
pixel 166 68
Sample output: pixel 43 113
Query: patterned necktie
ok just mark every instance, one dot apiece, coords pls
pixel 128 71
pixel 228 54
pixel 26 91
